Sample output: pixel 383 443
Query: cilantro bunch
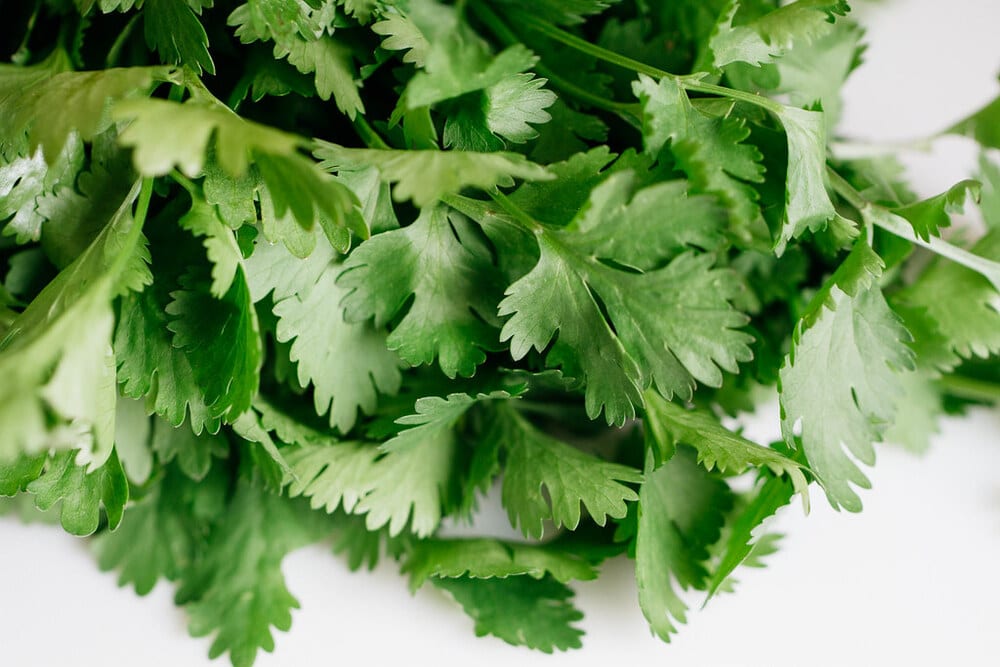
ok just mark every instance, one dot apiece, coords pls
pixel 287 271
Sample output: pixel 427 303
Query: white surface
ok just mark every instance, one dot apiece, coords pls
pixel 913 580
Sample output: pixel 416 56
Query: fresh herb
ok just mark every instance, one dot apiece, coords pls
pixel 285 271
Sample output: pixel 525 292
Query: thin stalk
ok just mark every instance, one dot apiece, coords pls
pixel 894 224
pixel 367 133
pixel 508 37
pixel 689 83
pixel 115 52
pixel 971 388
pixel 515 211
pixel 185 183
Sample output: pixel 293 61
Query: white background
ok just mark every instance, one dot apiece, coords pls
pixel 913 580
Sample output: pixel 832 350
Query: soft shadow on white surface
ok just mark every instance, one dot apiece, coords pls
pixel 913 580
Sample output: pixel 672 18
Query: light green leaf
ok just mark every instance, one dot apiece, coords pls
pixel 839 387
pixel 522 611
pixel 770 36
pixel 545 478
pixel 483 558
pixel 447 270
pixel 82 494
pixel 718 447
pixel 680 514
pixel 425 176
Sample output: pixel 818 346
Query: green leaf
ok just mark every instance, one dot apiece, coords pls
pixel 807 204
pixel 982 125
pixel 192 451
pixel 963 306
pixel 59 389
pixel 670 326
pixel 28 183
pixel 559 12
pixel 425 176
pixel 545 478
pixel 82 494
pixel 709 149
pixel 483 558
pixel 347 362
pixel 838 387
pixel 770 36
pixel 410 482
pixel 299 33
pixel 459 62
pixel 165 135
pixel 522 611
pixel 739 545
pixel 717 447
pixel 402 34
pixel 50 104
pixel 173 29
pixel 162 532
pixel 929 216
pixel 815 71
pixel 332 473
pixel 150 366
pixel 221 339
pixel 235 588
pixel 443 272
pixel 680 515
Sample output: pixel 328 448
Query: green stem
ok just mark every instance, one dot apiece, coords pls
pixel 185 183
pixel 22 54
pixel 689 83
pixel 114 53
pixel 515 211
pixel 142 205
pixel 368 134
pixel 508 37
pixel 894 224
pixel 971 388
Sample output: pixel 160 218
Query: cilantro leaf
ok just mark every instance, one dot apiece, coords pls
pixel 166 134
pixel 149 365
pixel 410 481
pixel 768 37
pixel 50 104
pixel 570 478
pixel 27 182
pixel 519 610
pixel 348 363
pixel 162 531
pixel 717 446
pixel 839 381
pixel 192 451
pixel 559 12
pixel 56 356
pixel 930 215
pixel 739 545
pixel 963 307
pixel 709 149
pixel 173 29
pixel 213 319
pixel 807 204
pixel 81 494
pixel 680 514
pixel 235 588
pixel 300 34
pixel 441 264
pixel 487 558
pixel 425 176
pixel 402 34
pixel 620 353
